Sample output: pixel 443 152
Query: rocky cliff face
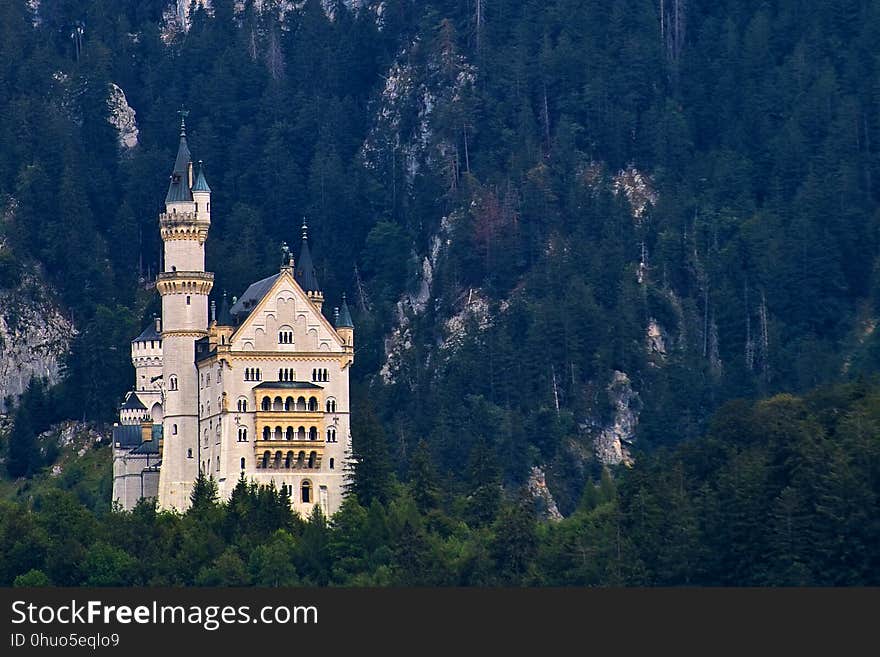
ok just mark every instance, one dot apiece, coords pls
pixel 122 117
pixel 612 443
pixel 545 505
pixel 34 335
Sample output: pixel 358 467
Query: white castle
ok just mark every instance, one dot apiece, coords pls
pixel 259 389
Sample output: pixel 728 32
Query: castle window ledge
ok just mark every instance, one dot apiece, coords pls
pixel 284 464
pixel 296 443
pixel 185 275
pixel 267 417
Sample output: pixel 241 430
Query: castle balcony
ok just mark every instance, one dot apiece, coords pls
pixel 303 435
pixel 174 219
pixel 302 398
pixel 288 457
pixel 185 282
pixel 184 226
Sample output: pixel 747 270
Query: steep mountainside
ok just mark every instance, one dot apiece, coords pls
pixel 571 229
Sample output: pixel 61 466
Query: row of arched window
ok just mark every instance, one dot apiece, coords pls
pixel 290 460
pixel 290 433
pixel 207 464
pixel 320 375
pixel 253 374
pixel 285 337
pixel 286 374
pixel 289 404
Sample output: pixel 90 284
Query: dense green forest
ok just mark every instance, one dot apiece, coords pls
pixel 780 492
pixel 486 139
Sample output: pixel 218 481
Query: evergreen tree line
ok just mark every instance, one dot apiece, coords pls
pixel 780 492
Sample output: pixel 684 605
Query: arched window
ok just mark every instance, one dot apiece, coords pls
pixel 306 492
pixel 288 460
pixel 172 382
pixel 189 453
pixel 312 457
pixel 267 433
pixel 331 405
pixel 289 433
pixel 301 404
pixel 289 404
pixel 242 434
pixel 278 433
pixel 331 435
pixel 300 459
pixel 266 459
pixel 173 429
pixel 277 404
pixel 218 463
pixel 313 404
pixel 331 463
pixel 187 300
pixel 301 433
pixel 313 433
pixel 278 458
pixel 242 463
pixel 266 403
pixel 259 375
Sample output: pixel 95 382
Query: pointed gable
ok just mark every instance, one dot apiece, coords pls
pixel 283 305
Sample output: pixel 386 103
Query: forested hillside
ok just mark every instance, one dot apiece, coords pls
pixel 571 229
pixel 781 492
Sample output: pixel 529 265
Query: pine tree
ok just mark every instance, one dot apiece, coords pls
pixel 372 476
pixel 423 479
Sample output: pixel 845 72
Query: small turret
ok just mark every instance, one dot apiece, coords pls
pixel 201 194
pixel 344 325
pixel 305 271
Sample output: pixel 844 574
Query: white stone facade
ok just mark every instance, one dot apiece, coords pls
pixel 263 392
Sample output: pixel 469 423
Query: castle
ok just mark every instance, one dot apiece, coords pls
pixel 258 389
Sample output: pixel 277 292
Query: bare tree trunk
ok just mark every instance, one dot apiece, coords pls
pixel 545 111
pixel 274 57
pixel 750 345
pixel 467 159
pixel 363 299
pixel 555 389
pixel 765 338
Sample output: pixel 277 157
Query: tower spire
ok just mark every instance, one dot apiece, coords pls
pixel 179 187
pixel 305 268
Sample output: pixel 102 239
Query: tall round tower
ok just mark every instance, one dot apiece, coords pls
pixel 184 285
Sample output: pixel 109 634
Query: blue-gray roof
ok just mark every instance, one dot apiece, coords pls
pixel 147 447
pixel 201 184
pixel 344 320
pixel 178 188
pixel 133 403
pixel 305 269
pixel 149 333
pixel 224 317
pixel 127 435
pixel 252 296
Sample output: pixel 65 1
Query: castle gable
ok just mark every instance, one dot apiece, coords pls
pixel 285 308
